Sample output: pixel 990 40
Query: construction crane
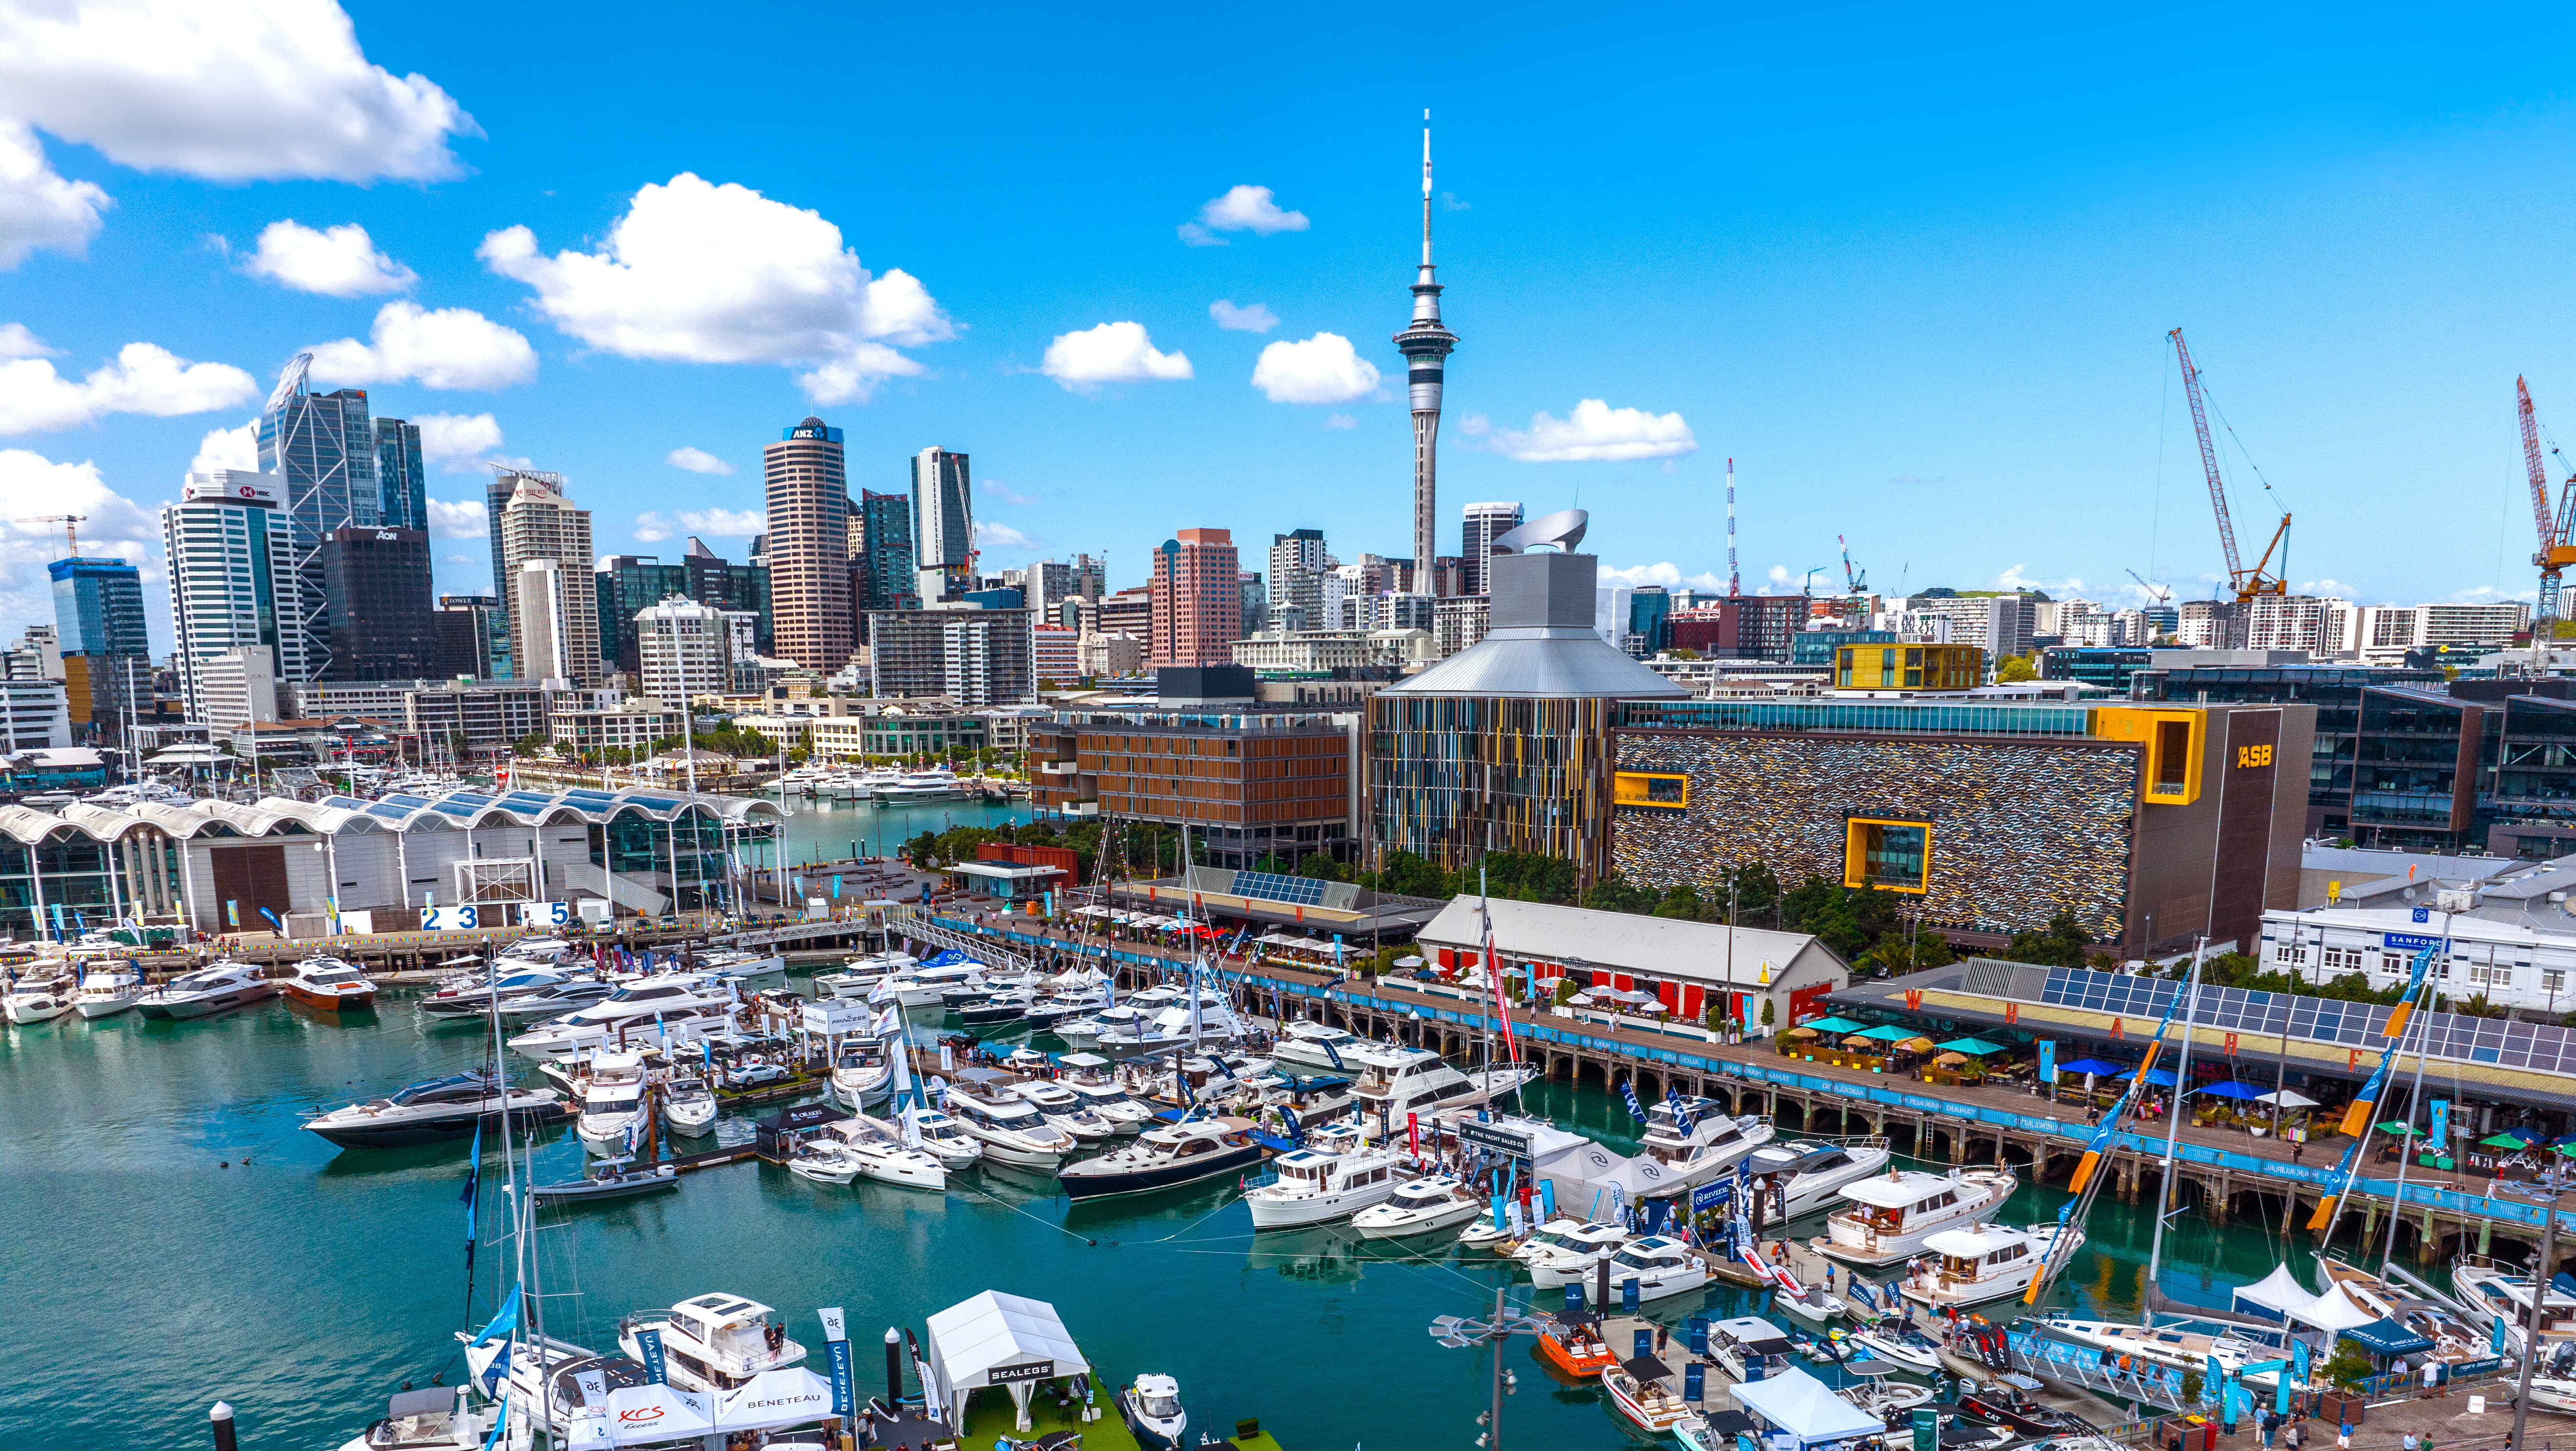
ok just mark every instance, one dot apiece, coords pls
pixel 2156 592
pixel 71 528
pixel 1857 581
pixel 2246 582
pixel 2555 552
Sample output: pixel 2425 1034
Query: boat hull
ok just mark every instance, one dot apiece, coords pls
pixel 330 1002
pixel 207 1007
pixel 1163 1176
pixel 1450 1218
pixel 103 1008
pixel 432 1130
pixel 592 1191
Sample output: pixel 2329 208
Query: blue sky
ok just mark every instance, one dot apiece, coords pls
pixel 1913 273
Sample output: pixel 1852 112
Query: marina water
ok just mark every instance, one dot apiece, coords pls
pixel 175 1238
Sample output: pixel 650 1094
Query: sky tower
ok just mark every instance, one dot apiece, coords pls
pixel 1425 343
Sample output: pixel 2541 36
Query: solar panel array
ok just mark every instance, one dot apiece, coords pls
pixel 2543 1046
pixel 1272 887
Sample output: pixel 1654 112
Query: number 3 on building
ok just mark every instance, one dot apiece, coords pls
pixel 2253 756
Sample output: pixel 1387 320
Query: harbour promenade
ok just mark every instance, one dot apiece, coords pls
pixel 2227 1171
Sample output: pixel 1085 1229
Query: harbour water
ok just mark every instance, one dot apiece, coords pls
pixel 174 1237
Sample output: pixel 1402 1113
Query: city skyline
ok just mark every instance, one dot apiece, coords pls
pixel 1940 340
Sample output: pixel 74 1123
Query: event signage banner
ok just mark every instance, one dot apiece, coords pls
pixel 836 1344
pixel 648 1346
pixel 1034 1370
pixel 2048 1060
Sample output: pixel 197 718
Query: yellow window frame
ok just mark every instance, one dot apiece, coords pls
pixel 1636 788
pixel 1856 853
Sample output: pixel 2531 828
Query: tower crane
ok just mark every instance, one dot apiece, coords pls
pixel 71 528
pixel 2555 551
pixel 1857 581
pixel 2159 593
pixel 2246 582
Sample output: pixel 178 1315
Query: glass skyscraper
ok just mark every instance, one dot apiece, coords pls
pixel 98 607
pixel 402 487
pixel 320 448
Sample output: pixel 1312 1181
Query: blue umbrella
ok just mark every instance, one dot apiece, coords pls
pixel 2231 1090
pixel 2095 1066
pixel 2528 1136
pixel 2161 1078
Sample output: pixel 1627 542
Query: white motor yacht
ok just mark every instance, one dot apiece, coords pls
pixel 754 970
pixel 107 991
pixel 1890 1341
pixel 1891 1215
pixel 1314 1046
pixel 935 1134
pixel 553 1000
pixel 1423 1206
pixel 860 975
pixel 1747 1348
pixel 1011 1129
pixel 2174 1349
pixel 1322 1184
pixel 862 1072
pixel 472 996
pixel 37 1002
pixel 1065 1109
pixel 680 1006
pixel 433 1418
pixel 1087 1077
pixel 823 1160
pixel 1983 1262
pixel 1152 1410
pixel 881 1154
pixel 612 1101
pixel 1171 1027
pixel 1570 1237
pixel 936 784
pixel 1396 1081
pixel 434 1110
pixel 1695 1140
pixel 927 987
pixel 1659 1267
pixel 688 1107
pixel 207 991
pixel 715 1342
pixel 1810 1172
pixel 2492 1291
pixel 1084 1032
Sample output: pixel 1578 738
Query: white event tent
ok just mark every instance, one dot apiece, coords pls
pixel 1806 1409
pixel 999 1340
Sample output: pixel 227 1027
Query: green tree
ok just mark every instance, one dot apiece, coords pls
pixel 1681 902
pixel 2016 670
pixel 1408 875
pixel 2061 945
pixel 1316 866
pixel 1755 892
pixel 1613 894
pixel 1682 652
pixel 1896 954
pixel 530 744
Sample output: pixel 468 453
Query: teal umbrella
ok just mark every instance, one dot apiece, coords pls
pixel 1973 1047
pixel 1834 1025
pixel 1888 1033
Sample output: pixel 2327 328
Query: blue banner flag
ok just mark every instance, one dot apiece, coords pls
pixel 503 1323
pixel 2299 1359
pixel 1628 1091
pixel 1711 1196
pixel 498 1372
pixel 472 1200
pixel 2048 1060
pixel 1681 1110
pixel 648 1348
pixel 842 1402
pixel 2439 1135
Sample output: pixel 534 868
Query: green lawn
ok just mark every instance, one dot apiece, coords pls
pixel 989 1416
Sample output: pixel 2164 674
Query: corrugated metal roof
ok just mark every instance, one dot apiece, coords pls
pixel 1541 663
pixel 1624 942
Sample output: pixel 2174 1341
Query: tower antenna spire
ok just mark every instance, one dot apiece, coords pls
pixel 1425 343
pixel 1734 580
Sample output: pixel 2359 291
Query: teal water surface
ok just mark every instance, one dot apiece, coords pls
pixel 175 1238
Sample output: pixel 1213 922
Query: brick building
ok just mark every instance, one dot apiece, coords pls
pixel 1197 600
pixel 1248 784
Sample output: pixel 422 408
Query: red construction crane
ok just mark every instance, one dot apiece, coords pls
pixel 2246 582
pixel 2555 552
pixel 71 528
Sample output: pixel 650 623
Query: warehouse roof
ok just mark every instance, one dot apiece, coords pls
pixel 1626 942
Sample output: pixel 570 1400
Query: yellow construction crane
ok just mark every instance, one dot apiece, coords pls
pixel 2556 553
pixel 2246 582
pixel 71 527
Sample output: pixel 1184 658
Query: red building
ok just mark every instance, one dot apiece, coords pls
pixel 1197 594
pixel 1746 627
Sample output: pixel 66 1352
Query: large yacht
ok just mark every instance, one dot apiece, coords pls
pixel 1983 1262
pixel 1319 1185
pixel 1396 1081
pixel 330 984
pixel 1167 1157
pixel 426 1112
pixel 1312 1045
pixel 2169 1346
pixel 1011 1128
pixel 1695 1140
pixel 680 1005
pixel 1810 1173
pixel 207 991
pixel 473 995
pixel 107 990
pixel 2492 1291
pixel 862 1072
pixel 714 1342
pixel 859 976
pixel 1891 1215
pixel 1173 1027
pixel 928 986
pixel 937 784
pixel 613 1100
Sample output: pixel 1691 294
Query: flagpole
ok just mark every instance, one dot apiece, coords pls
pixel 2173 1121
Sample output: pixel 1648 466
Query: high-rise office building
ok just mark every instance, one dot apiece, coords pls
pixel 1484 523
pixel 402 483
pixel 627 583
pixel 473 637
pixel 1299 562
pixel 686 648
pixel 809 546
pixel 976 657
pixel 98 607
pixel 1256 603
pixel 1426 344
pixel 321 449
pixel 382 625
pixel 943 525
pixel 882 575
pixel 1197 594
pixel 546 558
pixel 233 579
pixel 1052 582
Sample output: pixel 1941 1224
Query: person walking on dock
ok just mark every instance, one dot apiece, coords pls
pixel 2343 1436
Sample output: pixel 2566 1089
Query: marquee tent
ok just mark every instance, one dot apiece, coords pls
pixel 1806 1409
pixel 2278 1295
pixel 648 1414
pixel 790 1396
pixel 1000 1340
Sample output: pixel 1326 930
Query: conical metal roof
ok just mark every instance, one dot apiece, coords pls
pixel 1541 642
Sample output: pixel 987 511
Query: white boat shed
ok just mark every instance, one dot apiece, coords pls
pixel 1677 963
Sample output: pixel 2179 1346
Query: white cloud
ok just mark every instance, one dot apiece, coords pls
pixel 143 379
pixel 229 90
pixel 1241 209
pixel 456 442
pixel 1340 420
pixel 725 523
pixel 227 448
pixel 2018 578
pixel 700 273
pixel 697 461
pixel 1256 318
pixel 17 342
pixel 2487 594
pixel 1449 203
pixel 1114 352
pixel 460 519
pixel 337 261
pixel 38 206
pixel 1596 432
pixel 1780 575
pixel 112 526
pixel 990 535
pixel 651 528
pixel 453 347
pixel 458 559
pixel 1322 369
pixel 1670 576
pixel 1005 492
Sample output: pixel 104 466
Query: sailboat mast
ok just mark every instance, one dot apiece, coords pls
pixel 1493 974
pixel 2173 1118
pixel 2406 1150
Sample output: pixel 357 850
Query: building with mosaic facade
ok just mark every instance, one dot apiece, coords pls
pixel 2152 825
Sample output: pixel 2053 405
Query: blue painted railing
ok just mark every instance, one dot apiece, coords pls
pixel 2414 1195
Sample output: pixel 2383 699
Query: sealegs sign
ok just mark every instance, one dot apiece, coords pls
pixel 1034 1370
